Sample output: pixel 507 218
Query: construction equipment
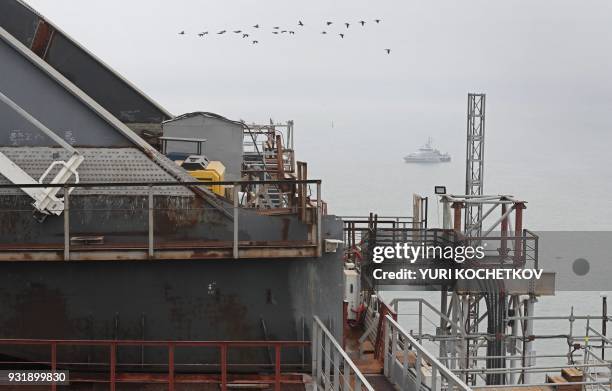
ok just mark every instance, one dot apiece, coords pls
pixel 204 170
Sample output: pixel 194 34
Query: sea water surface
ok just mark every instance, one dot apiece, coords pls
pixel 565 178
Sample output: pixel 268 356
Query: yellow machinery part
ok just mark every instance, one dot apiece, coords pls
pixel 215 171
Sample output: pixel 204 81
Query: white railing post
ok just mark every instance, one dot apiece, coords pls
pixel 386 339
pixel 327 356
pixel 336 380
pixel 446 375
pixel 393 355
pixel 333 351
pixel 314 348
pixel 320 342
pixel 405 365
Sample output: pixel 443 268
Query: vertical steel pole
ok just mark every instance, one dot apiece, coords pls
pixel 347 377
pixel 386 338
pixel 604 323
pixel 529 353
pixel 405 366
pixel 457 206
pixel 236 210
pixel 113 364
pixel 446 215
pixel 171 367
pixel 314 347
pixel 151 223
pixel 328 355
pixel 277 367
pixel 336 383
pixel 514 341
pixel 66 224
pixel 223 367
pixel 504 232
pixel 518 234
pixel 345 310
pixel 418 368
pixel 420 321
pixel 319 353
pixel 434 378
pixel 455 319
pixel 319 214
pixel 53 364
pixel 443 309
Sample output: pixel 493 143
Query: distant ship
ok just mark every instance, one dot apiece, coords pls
pixel 427 154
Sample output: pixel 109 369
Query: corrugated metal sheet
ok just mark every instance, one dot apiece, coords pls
pixel 100 165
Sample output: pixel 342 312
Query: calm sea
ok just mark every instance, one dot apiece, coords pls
pixel 565 177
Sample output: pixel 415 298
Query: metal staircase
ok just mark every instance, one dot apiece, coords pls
pixel 267 157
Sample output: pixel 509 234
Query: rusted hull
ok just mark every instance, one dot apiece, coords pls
pixel 168 300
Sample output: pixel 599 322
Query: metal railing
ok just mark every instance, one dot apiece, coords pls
pixel 145 212
pixel 595 360
pixel 594 344
pixel 332 368
pixel 171 375
pixel 400 349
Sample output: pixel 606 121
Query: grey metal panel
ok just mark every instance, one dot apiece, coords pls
pixel 178 300
pixel 224 139
pixel 124 100
pixel 107 165
pixel 51 104
pixel 19 20
pixel 116 96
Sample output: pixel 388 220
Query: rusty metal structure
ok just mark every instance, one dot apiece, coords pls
pixel 131 253
pixel 122 268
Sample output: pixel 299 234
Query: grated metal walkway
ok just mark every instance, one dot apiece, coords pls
pixel 380 383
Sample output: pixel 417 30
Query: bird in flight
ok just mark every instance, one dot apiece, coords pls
pixel 284 31
pixel 222 32
pixel 256 26
pixel 276 27
pixel 245 35
pixel 300 23
pixel 237 31
pixel 329 23
pixel 274 32
pixel 362 22
pixel 341 35
pixel 347 25
pixel 203 33
pixel 291 32
pixel 324 32
pixel 182 32
pixel 255 42
pixel 388 51
pixel 377 20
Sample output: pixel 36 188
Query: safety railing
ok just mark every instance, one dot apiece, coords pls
pixel 332 368
pixel 406 360
pixel 506 249
pixel 175 372
pixel 152 239
pixel 596 360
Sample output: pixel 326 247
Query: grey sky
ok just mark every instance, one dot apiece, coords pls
pixel 546 67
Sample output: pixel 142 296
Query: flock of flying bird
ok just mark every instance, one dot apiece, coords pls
pixel 276 30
